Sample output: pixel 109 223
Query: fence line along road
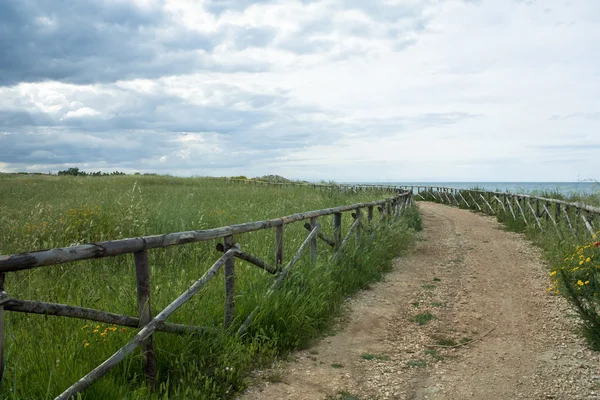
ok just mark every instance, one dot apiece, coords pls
pixel 389 210
pixel 576 219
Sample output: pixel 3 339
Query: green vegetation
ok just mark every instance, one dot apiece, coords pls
pixel 416 363
pixel 379 357
pixel 423 318
pixel 342 395
pixel 45 354
pixel 574 257
pixel 78 172
pixel 442 340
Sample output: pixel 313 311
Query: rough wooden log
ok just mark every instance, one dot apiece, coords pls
pixel 588 225
pixel 229 283
pixel 358 227
pixel 320 235
pixel 345 241
pixel 257 261
pixel 3 299
pixel 313 242
pixel 500 202
pixel 282 275
pixel 447 197
pixel 518 203
pixel 142 275
pixel 144 333
pixel 508 203
pixel 278 247
pixel 568 219
pixel 63 255
pixel 433 196
pixel 463 199
pixel 455 198
pixel 474 201
pixel 63 310
pixel 439 195
pixel 401 206
pixel 537 220
pixel 535 216
pixel 488 204
pixel 337 228
pixel 553 221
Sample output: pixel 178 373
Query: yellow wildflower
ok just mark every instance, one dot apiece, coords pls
pixel 552 273
pixel 580 282
pixel 588 259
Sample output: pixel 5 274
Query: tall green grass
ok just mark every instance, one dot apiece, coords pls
pixel 45 354
pixel 574 257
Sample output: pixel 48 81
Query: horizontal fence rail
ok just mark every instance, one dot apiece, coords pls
pixel 575 219
pixel 389 209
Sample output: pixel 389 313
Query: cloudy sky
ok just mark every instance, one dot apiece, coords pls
pixel 350 90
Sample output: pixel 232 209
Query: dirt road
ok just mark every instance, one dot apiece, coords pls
pixel 465 316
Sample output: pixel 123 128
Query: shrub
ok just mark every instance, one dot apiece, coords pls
pixel 579 279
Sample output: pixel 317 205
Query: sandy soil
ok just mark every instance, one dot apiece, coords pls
pixel 485 287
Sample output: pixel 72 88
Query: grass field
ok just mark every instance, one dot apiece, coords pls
pixel 45 354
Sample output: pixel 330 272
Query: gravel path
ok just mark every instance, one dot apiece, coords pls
pixel 496 332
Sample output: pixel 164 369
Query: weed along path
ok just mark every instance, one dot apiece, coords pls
pixel 465 316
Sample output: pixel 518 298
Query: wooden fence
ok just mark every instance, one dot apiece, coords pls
pixel 566 218
pixel 389 209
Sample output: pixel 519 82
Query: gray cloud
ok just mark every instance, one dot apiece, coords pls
pixel 131 128
pixel 80 41
pixel 91 41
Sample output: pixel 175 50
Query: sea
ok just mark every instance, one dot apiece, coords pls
pixel 565 188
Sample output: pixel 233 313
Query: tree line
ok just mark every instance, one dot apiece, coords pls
pixel 78 172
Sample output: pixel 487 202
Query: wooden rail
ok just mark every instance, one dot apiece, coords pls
pixel 390 209
pixel 543 213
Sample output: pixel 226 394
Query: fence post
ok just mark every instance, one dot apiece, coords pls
pixel 142 275
pixel 278 246
pixel 337 229
pixel 358 227
pixel 370 214
pixel 3 295
pixel 229 276
pixel 313 242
